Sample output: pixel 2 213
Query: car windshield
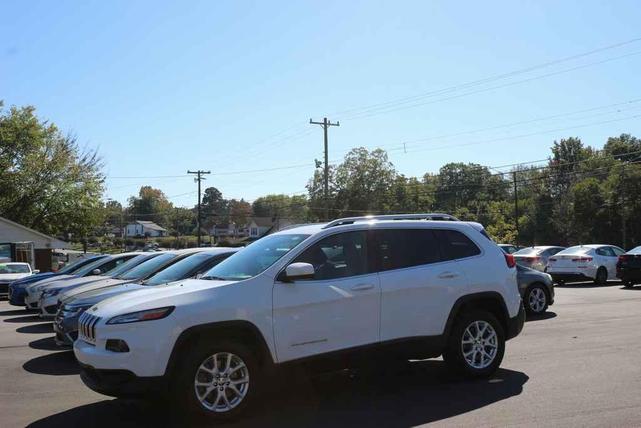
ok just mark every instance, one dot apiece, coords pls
pixel 147 268
pixel 180 269
pixel 577 249
pixel 14 268
pixel 255 258
pixel 528 252
pixel 91 266
pixel 130 264
pixel 76 265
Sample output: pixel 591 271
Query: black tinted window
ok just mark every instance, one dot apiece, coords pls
pixel 338 256
pixel 401 248
pixel 455 245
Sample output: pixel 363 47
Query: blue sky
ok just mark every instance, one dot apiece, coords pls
pixel 160 87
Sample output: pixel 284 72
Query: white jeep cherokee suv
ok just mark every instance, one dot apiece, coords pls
pixel 398 284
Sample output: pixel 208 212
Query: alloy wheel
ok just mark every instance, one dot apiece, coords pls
pixel 221 382
pixel 479 344
pixel 537 300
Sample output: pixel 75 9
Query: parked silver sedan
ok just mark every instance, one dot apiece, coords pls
pixel 536 257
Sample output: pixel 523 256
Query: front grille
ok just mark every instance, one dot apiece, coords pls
pixel 4 288
pixel 87 327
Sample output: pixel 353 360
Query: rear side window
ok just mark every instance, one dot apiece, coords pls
pixel 402 248
pixel 455 245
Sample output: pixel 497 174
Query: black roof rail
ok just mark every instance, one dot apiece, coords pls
pixel 425 216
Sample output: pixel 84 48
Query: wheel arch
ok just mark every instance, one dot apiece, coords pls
pixel 490 301
pixel 243 331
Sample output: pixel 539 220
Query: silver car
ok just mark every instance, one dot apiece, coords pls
pixel 536 257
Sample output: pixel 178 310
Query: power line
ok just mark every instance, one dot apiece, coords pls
pixel 404 100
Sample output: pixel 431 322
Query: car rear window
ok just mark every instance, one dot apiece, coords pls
pixel 455 245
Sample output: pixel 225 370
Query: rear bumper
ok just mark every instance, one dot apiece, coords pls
pixel 121 383
pixel 515 325
pixel 629 274
pixel 570 277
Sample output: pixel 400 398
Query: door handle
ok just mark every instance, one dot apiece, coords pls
pixel 448 275
pixel 362 287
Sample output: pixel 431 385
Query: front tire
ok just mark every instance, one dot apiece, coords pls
pixel 476 345
pixel 601 276
pixel 628 284
pixel 536 300
pixel 217 381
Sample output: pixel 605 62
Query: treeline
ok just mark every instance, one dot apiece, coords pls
pixel 50 183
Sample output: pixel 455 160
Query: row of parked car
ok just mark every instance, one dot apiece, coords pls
pixel 594 262
pixel 209 326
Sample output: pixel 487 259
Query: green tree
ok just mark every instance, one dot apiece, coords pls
pixel 150 204
pixel 214 208
pixel 47 181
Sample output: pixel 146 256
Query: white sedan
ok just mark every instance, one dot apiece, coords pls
pixel 595 262
pixel 12 271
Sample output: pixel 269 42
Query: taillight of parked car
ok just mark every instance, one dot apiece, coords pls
pixel 623 258
pixel 509 259
pixel 582 259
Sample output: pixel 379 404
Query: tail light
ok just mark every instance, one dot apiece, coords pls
pixel 623 258
pixel 582 259
pixel 509 259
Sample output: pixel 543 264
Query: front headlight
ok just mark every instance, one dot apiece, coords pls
pixel 72 310
pixel 148 315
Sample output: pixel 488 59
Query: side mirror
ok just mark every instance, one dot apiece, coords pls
pixel 299 271
pixel 96 272
pixel 199 275
pixel 35 271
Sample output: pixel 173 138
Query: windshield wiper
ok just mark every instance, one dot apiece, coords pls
pixel 213 278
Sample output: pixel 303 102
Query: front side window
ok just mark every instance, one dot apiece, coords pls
pixel 130 264
pixel 257 257
pixel 455 245
pixel 338 256
pixel 401 248
pixel 618 251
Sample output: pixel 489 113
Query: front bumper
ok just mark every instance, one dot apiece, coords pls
pixel 32 300
pixel 122 383
pixel 4 289
pixel 629 274
pixel 17 295
pixel 66 329
pixel 48 306
pixel 515 325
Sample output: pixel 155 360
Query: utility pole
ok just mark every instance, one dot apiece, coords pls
pixel 516 208
pixel 326 124
pixel 198 179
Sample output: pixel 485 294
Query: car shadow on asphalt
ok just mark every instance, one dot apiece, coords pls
pixel 45 327
pixel 46 344
pixel 26 318
pixel 418 393
pixel 55 364
pixel 14 312
pixel 588 285
pixel 544 316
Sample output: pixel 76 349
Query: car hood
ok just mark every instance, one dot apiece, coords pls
pixel 10 277
pixel 89 286
pixel 38 285
pixel 33 278
pixel 90 298
pixel 173 294
pixel 73 282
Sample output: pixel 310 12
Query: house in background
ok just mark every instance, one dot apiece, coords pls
pixel 19 243
pixel 141 228
pixel 225 231
pixel 259 226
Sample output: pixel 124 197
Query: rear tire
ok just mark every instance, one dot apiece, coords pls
pixel 536 299
pixel 230 377
pixel 476 345
pixel 601 276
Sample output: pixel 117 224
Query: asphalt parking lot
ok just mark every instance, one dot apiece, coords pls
pixel 580 365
